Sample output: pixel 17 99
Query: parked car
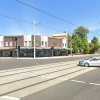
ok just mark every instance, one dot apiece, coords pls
pixel 91 61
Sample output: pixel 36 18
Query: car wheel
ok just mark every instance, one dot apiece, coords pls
pixel 86 65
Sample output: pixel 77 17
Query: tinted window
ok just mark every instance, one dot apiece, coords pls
pixel 95 59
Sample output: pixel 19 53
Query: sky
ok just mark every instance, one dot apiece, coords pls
pixel 84 13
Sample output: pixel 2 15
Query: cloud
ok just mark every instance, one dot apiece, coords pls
pixel 94 28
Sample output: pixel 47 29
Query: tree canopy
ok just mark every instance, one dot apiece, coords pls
pixel 81 31
pixel 85 45
pixel 95 41
pixel 76 43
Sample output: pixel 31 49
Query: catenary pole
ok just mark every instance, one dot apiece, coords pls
pixel 71 43
pixel 34 38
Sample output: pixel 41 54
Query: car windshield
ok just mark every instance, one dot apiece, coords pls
pixel 88 58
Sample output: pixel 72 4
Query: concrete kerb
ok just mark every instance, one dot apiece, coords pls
pixel 87 55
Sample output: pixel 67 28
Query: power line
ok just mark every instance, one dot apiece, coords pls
pixel 36 24
pixel 95 33
pixel 46 13
pixel 30 23
pixel 49 14
pixel 16 19
pixel 50 28
pixel 94 24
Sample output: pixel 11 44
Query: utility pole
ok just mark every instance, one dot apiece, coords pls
pixel 71 43
pixel 52 48
pixel 34 38
pixel 17 47
pixel 16 40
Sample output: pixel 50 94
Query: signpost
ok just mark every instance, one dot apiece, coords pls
pixel 15 39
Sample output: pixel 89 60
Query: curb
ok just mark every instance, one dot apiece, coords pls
pixel 87 55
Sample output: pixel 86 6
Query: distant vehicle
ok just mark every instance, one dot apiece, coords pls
pixel 78 53
pixel 91 61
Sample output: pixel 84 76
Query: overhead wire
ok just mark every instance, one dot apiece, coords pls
pixel 46 13
pixel 50 14
pixel 30 23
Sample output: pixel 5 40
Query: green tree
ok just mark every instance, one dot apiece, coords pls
pixel 91 45
pixel 76 43
pixel 85 45
pixel 69 40
pixel 81 31
pixel 96 44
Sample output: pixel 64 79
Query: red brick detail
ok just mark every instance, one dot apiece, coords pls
pixel 55 42
pixel 37 39
pixel 10 39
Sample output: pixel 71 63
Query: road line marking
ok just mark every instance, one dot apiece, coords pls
pixel 77 81
pixel 94 84
pixel 61 63
pixel 46 77
pixel 63 79
pixel 11 98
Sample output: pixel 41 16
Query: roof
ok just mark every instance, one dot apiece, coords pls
pixel 60 34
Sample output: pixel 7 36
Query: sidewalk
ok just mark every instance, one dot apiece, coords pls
pixel 86 55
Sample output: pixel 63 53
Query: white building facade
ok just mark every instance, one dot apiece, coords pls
pixel 27 40
pixel 1 41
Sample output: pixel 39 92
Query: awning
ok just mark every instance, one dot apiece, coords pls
pixel 5 48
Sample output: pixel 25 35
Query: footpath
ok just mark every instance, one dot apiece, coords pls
pixel 85 55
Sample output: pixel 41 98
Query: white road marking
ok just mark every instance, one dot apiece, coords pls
pixel 46 77
pixel 8 97
pixel 45 65
pixel 54 77
pixel 94 84
pixel 78 81
pixel 63 79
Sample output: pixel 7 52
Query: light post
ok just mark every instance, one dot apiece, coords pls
pixel 71 43
pixel 34 38
pixel 52 50
pixel 17 48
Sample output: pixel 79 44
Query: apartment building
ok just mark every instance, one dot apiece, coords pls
pixel 43 45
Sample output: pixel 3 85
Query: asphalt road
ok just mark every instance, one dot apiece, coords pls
pixel 6 64
pixel 83 87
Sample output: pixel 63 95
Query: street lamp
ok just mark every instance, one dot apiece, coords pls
pixel 71 42
pixel 34 37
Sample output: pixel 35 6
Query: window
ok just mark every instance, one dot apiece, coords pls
pixel 29 43
pixel 55 44
pixel 10 44
pixel 6 43
pixel 65 44
pixel 36 43
pixel 25 43
pixel 1 43
pixel 42 43
pixel 46 44
pixel 95 59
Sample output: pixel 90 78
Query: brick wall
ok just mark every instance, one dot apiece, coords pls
pixel 10 39
pixel 55 42
pixel 37 39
